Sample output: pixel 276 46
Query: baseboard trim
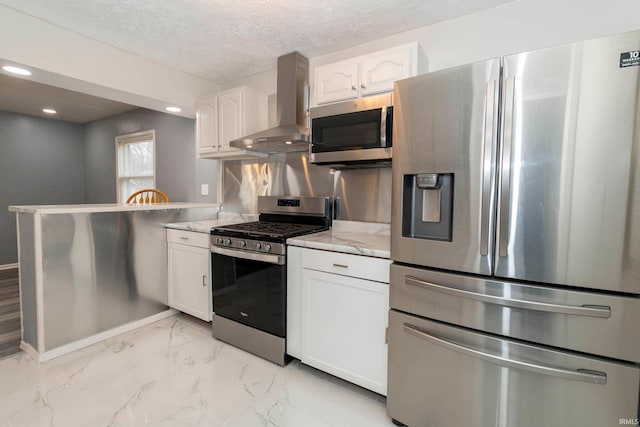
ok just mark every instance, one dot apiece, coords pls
pixel 29 350
pixel 85 342
pixel 9 266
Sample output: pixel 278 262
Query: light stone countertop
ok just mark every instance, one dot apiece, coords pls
pixel 107 207
pixel 352 237
pixel 205 226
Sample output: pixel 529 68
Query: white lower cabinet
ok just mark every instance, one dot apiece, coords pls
pixel 189 261
pixel 337 323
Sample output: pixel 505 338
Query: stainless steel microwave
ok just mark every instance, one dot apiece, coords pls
pixel 352 133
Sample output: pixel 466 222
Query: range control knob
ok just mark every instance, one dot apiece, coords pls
pixel 218 240
pixel 258 246
pixel 242 243
pixel 266 247
pixel 226 242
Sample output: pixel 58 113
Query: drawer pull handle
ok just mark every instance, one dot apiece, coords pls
pixel 341 265
pixel 204 280
pixel 583 310
pixel 184 238
pixel 584 375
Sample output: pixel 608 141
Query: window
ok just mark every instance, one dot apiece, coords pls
pixel 135 163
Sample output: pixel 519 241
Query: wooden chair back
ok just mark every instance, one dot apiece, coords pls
pixel 148 195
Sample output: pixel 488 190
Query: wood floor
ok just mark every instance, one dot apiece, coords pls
pixel 10 333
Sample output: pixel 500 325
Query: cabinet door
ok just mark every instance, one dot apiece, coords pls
pixel 379 71
pixel 189 284
pixel 343 327
pixel 336 82
pixel 230 117
pixel 207 125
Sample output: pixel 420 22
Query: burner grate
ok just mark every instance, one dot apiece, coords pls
pixel 272 229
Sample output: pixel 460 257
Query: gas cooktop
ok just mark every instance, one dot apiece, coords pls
pixel 280 230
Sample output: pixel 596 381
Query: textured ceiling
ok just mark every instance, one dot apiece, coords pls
pixel 224 40
pixel 26 97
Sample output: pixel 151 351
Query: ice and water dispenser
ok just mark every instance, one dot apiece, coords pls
pixel 428 206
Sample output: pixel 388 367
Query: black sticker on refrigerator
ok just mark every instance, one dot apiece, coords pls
pixel 630 59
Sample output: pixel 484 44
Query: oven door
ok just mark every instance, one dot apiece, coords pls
pixel 250 288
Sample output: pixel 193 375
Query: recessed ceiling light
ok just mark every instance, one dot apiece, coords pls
pixel 17 70
pixel 248 146
pixel 173 109
pixel 288 142
pixel 49 111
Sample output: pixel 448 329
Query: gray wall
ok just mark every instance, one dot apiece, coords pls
pixel 41 162
pixel 176 167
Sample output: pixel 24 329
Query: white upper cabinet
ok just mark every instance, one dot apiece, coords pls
pixel 228 115
pixel 367 74
pixel 380 71
pixel 207 125
pixel 337 82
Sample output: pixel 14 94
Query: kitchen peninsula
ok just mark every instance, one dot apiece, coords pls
pixel 89 272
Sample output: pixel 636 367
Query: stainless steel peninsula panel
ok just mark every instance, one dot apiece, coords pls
pixel 26 252
pixel 84 272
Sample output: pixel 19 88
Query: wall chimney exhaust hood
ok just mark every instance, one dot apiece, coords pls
pixel 292 132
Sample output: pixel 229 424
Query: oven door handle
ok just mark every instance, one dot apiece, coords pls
pixel 252 256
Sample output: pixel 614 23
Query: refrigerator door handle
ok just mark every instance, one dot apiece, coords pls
pixel 584 310
pixel 488 164
pixel 505 179
pixel 582 375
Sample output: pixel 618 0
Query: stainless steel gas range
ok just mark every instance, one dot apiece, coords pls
pixel 249 274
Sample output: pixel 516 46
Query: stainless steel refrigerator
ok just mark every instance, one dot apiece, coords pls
pixel 515 283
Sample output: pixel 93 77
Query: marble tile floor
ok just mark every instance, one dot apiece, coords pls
pixel 174 373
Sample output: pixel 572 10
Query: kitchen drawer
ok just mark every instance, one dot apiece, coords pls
pixel 363 267
pixel 191 238
pixel 441 375
pixel 589 322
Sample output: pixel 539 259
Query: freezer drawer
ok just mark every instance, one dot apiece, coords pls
pixel 590 322
pixel 441 375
